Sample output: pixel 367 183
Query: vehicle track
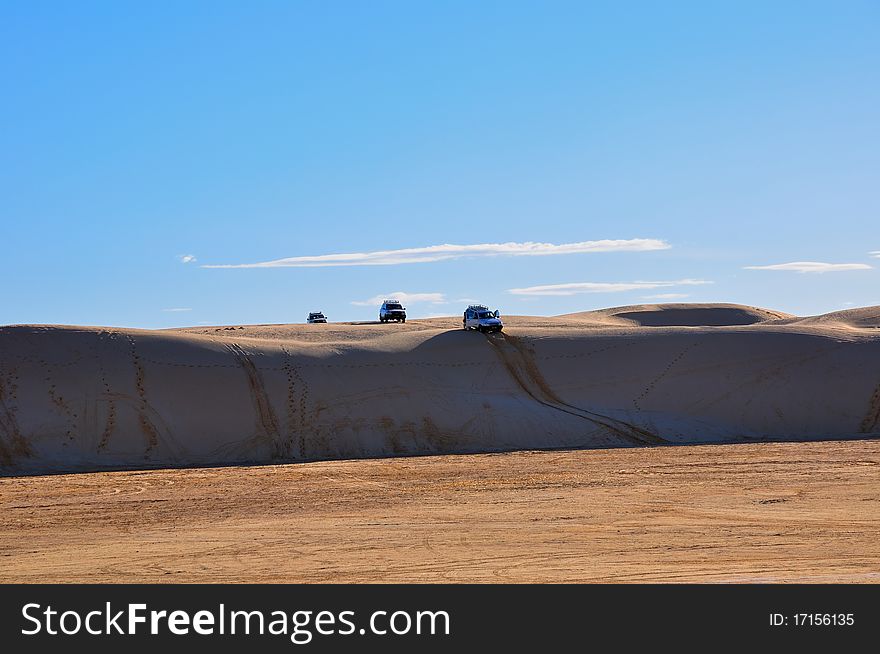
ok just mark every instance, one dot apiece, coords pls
pixel 268 421
pixel 15 446
pixel 520 363
pixel 872 419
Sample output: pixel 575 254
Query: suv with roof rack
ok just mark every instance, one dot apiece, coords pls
pixel 392 310
pixel 479 317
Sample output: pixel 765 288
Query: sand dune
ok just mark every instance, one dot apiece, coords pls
pixel 76 398
pixel 862 318
pixel 681 315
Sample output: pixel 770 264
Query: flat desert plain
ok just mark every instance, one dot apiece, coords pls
pixel 769 512
pixel 675 442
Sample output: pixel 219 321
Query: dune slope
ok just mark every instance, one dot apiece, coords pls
pixel 681 315
pixel 90 398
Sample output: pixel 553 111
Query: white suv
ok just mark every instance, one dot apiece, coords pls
pixel 392 310
pixel 480 318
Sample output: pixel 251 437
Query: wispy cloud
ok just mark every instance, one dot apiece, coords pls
pixel 177 309
pixel 405 298
pixel 665 296
pixel 600 287
pixel 187 258
pixel 875 253
pixel 812 267
pixel 447 251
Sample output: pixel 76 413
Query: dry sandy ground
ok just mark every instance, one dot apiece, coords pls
pixel 740 513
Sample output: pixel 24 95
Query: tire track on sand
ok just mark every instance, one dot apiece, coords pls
pixel 520 363
pixel 268 426
pixel 14 446
pixel 872 419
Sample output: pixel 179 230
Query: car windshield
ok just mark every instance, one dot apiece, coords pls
pixel 485 314
pixel 393 306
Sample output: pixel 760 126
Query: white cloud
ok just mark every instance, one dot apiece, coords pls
pixel 812 267
pixel 187 258
pixel 177 309
pixel 875 253
pixel 600 287
pixel 405 298
pixel 665 296
pixel 447 251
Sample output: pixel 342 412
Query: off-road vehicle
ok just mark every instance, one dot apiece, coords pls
pixel 482 319
pixel 392 310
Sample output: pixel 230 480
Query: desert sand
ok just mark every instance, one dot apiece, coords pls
pixel 768 512
pixel 88 399
pixel 160 429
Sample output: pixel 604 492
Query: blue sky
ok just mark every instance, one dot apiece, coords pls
pixel 655 149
